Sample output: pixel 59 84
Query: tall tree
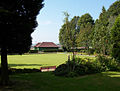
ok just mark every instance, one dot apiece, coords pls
pixel 115 33
pixel 17 22
pixel 86 24
pixel 68 31
pixel 114 9
pixel 101 33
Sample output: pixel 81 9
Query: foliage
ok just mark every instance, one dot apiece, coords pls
pixel 101 35
pixel 85 24
pixel 102 41
pixel 33 51
pixel 115 33
pixel 114 9
pixel 61 70
pixel 78 67
pixel 108 63
pixel 75 33
pixel 68 32
pixel 81 31
pixel 18 21
pixel 85 66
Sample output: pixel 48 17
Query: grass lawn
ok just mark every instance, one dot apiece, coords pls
pixel 37 60
pixel 106 81
pixel 46 81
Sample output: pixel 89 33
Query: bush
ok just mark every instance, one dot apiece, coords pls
pixel 87 66
pixel 113 65
pixel 61 70
pixel 81 69
pixel 33 51
pixel 51 50
pixel 108 63
pixel 78 67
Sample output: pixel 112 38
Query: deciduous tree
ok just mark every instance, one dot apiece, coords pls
pixel 86 24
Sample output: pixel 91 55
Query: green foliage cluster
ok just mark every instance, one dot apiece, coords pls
pixel 115 33
pixel 17 22
pixel 108 63
pixel 85 66
pixel 78 67
pixel 76 32
pixel 102 35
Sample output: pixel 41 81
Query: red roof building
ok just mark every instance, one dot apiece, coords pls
pixel 46 46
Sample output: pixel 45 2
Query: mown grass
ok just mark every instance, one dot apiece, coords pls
pixel 46 81
pixel 37 60
pixel 106 81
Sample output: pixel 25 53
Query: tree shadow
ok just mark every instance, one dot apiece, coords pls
pixel 14 65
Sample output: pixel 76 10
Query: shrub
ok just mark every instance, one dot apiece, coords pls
pixel 78 67
pixel 108 63
pixel 87 66
pixel 51 50
pixel 33 51
pixel 81 69
pixel 61 70
pixel 113 65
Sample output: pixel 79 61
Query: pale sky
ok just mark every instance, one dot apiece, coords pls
pixel 51 16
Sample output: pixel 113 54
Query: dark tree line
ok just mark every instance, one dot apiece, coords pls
pixel 17 22
pixel 97 34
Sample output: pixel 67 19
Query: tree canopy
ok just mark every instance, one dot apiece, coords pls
pixel 115 34
pixel 92 34
pixel 17 22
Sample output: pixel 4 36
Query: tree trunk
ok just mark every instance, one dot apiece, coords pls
pixel 4 66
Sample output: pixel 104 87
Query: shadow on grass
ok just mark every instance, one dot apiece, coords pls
pixel 14 65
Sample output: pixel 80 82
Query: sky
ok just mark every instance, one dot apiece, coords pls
pixel 50 18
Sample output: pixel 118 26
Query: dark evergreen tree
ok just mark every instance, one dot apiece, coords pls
pixel 115 33
pixel 17 22
pixel 101 36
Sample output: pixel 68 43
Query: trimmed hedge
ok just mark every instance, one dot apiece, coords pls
pixel 33 51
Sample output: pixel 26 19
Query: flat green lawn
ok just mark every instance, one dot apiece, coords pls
pixel 37 60
pixel 46 81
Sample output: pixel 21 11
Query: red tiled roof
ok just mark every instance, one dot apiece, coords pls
pixel 38 44
pixel 46 44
